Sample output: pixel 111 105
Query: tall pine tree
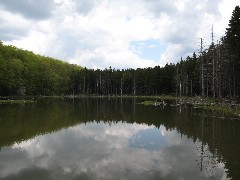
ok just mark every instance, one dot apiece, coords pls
pixel 233 43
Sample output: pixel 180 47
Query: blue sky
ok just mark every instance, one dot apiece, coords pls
pixel 117 33
pixel 149 49
pixel 150 139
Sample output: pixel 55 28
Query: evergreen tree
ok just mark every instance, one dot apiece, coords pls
pixel 233 45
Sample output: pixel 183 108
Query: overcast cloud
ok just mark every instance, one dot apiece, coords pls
pixel 117 33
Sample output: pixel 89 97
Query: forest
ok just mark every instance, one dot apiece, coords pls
pixel 213 72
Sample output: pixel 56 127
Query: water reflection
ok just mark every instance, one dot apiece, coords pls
pixel 101 151
pixel 150 139
pixel 113 139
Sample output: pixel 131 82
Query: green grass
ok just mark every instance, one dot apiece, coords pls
pixel 199 102
pixel 22 101
pixel 225 108
pixel 148 103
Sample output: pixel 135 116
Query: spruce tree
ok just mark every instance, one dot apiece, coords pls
pixel 233 44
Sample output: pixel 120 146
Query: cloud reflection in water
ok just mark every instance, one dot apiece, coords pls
pixel 105 151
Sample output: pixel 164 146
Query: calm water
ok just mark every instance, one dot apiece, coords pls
pixel 94 138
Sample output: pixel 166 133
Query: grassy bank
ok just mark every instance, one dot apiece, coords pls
pixel 231 107
pixel 10 101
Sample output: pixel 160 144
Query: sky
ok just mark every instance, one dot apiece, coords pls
pixel 117 33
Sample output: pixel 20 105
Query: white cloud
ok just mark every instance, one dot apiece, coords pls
pixel 13 26
pixel 98 34
pixel 30 9
pixel 105 151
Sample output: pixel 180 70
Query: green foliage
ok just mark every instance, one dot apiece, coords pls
pixel 216 72
pixel 233 31
pixel 16 101
pixel 232 46
pixel 25 73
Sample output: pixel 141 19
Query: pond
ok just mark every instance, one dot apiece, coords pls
pixel 115 138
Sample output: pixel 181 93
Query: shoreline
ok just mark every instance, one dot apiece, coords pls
pixel 228 106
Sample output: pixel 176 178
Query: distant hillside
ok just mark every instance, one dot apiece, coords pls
pixel 25 73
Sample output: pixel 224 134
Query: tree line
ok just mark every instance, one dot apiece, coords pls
pixel 25 73
pixel 214 72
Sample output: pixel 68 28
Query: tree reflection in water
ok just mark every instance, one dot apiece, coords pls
pixel 131 127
